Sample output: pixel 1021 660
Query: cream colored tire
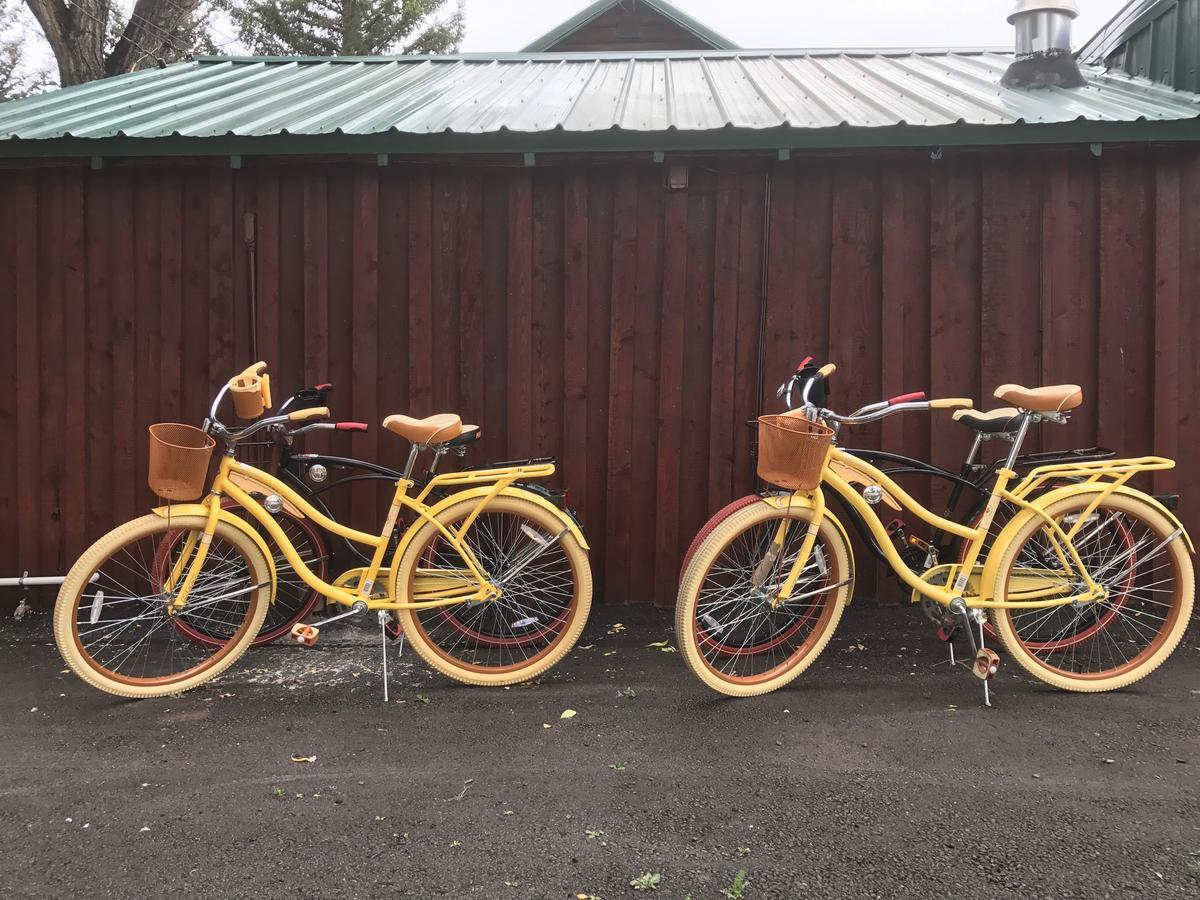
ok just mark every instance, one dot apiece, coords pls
pixel 837 554
pixel 65 630
pixel 1166 640
pixel 414 622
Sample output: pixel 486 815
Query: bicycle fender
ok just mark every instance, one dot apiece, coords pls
pixel 1058 493
pixel 199 509
pixel 992 566
pixel 786 501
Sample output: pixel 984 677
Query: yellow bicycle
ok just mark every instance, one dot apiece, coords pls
pixel 491 583
pixel 1090 585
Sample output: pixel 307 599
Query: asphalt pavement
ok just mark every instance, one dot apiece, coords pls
pixel 879 773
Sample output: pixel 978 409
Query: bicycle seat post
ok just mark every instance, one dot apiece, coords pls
pixel 413 453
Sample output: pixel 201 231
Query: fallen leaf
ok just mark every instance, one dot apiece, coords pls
pixel 658 644
pixel 568 714
pixel 546 725
pixel 297 758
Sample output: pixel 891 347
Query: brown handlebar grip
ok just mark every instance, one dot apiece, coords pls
pixel 826 370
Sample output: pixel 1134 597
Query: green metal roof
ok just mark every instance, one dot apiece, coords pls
pixel 585 102
pixel 600 7
pixel 1157 39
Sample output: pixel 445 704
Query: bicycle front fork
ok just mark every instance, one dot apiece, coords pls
pixel 767 564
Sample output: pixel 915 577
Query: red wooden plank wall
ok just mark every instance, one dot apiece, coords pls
pixel 586 311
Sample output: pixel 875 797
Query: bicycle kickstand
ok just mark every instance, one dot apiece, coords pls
pixel 384 633
pixel 986 662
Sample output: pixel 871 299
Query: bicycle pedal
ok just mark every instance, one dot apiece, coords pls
pixel 306 634
pixel 986 665
pixel 394 630
pixel 945 633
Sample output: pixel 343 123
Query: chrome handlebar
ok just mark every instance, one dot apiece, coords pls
pixel 215 426
pixel 871 413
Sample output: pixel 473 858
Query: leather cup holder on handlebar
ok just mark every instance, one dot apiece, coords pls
pixel 251 391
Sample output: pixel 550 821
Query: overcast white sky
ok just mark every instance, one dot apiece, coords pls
pixel 511 24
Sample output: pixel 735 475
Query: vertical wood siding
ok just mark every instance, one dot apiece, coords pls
pixel 589 313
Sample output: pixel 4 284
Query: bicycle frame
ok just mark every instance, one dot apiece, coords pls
pixel 293 466
pixel 434 590
pixel 1106 475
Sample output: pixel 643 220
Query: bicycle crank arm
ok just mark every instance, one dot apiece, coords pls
pixel 309 634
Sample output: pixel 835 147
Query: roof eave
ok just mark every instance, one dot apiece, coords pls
pixel 611 141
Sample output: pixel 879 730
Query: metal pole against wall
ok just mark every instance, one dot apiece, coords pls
pixel 250 230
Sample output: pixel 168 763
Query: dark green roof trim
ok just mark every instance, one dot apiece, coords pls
pixel 1156 39
pixel 600 7
pixel 613 141
pixel 1127 21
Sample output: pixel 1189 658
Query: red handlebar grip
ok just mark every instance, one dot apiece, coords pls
pixel 322 387
pixel 907 398
pixel 352 426
pixel 804 362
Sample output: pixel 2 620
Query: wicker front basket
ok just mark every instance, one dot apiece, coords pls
pixel 792 451
pixel 179 457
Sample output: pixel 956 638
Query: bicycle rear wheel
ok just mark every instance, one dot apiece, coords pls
pixel 112 622
pixel 1103 527
pixel 547 593
pixel 731 636
pixel 1131 550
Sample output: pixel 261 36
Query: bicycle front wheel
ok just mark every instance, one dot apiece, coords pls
pixel 1136 555
pixel 294 599
pixel 733 636
pixel 546 585
pixel 113 623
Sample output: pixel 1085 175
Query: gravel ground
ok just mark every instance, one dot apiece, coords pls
pixel 878 774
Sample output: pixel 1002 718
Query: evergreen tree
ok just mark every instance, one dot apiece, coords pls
pixel 347 27
pixel 17 77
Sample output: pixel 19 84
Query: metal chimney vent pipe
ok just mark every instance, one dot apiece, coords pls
pixel 1043 45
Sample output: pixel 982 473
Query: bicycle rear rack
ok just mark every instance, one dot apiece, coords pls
pixel 1107 471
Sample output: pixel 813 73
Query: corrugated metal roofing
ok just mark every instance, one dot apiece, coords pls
pixel 1158 39
pixel 734 94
